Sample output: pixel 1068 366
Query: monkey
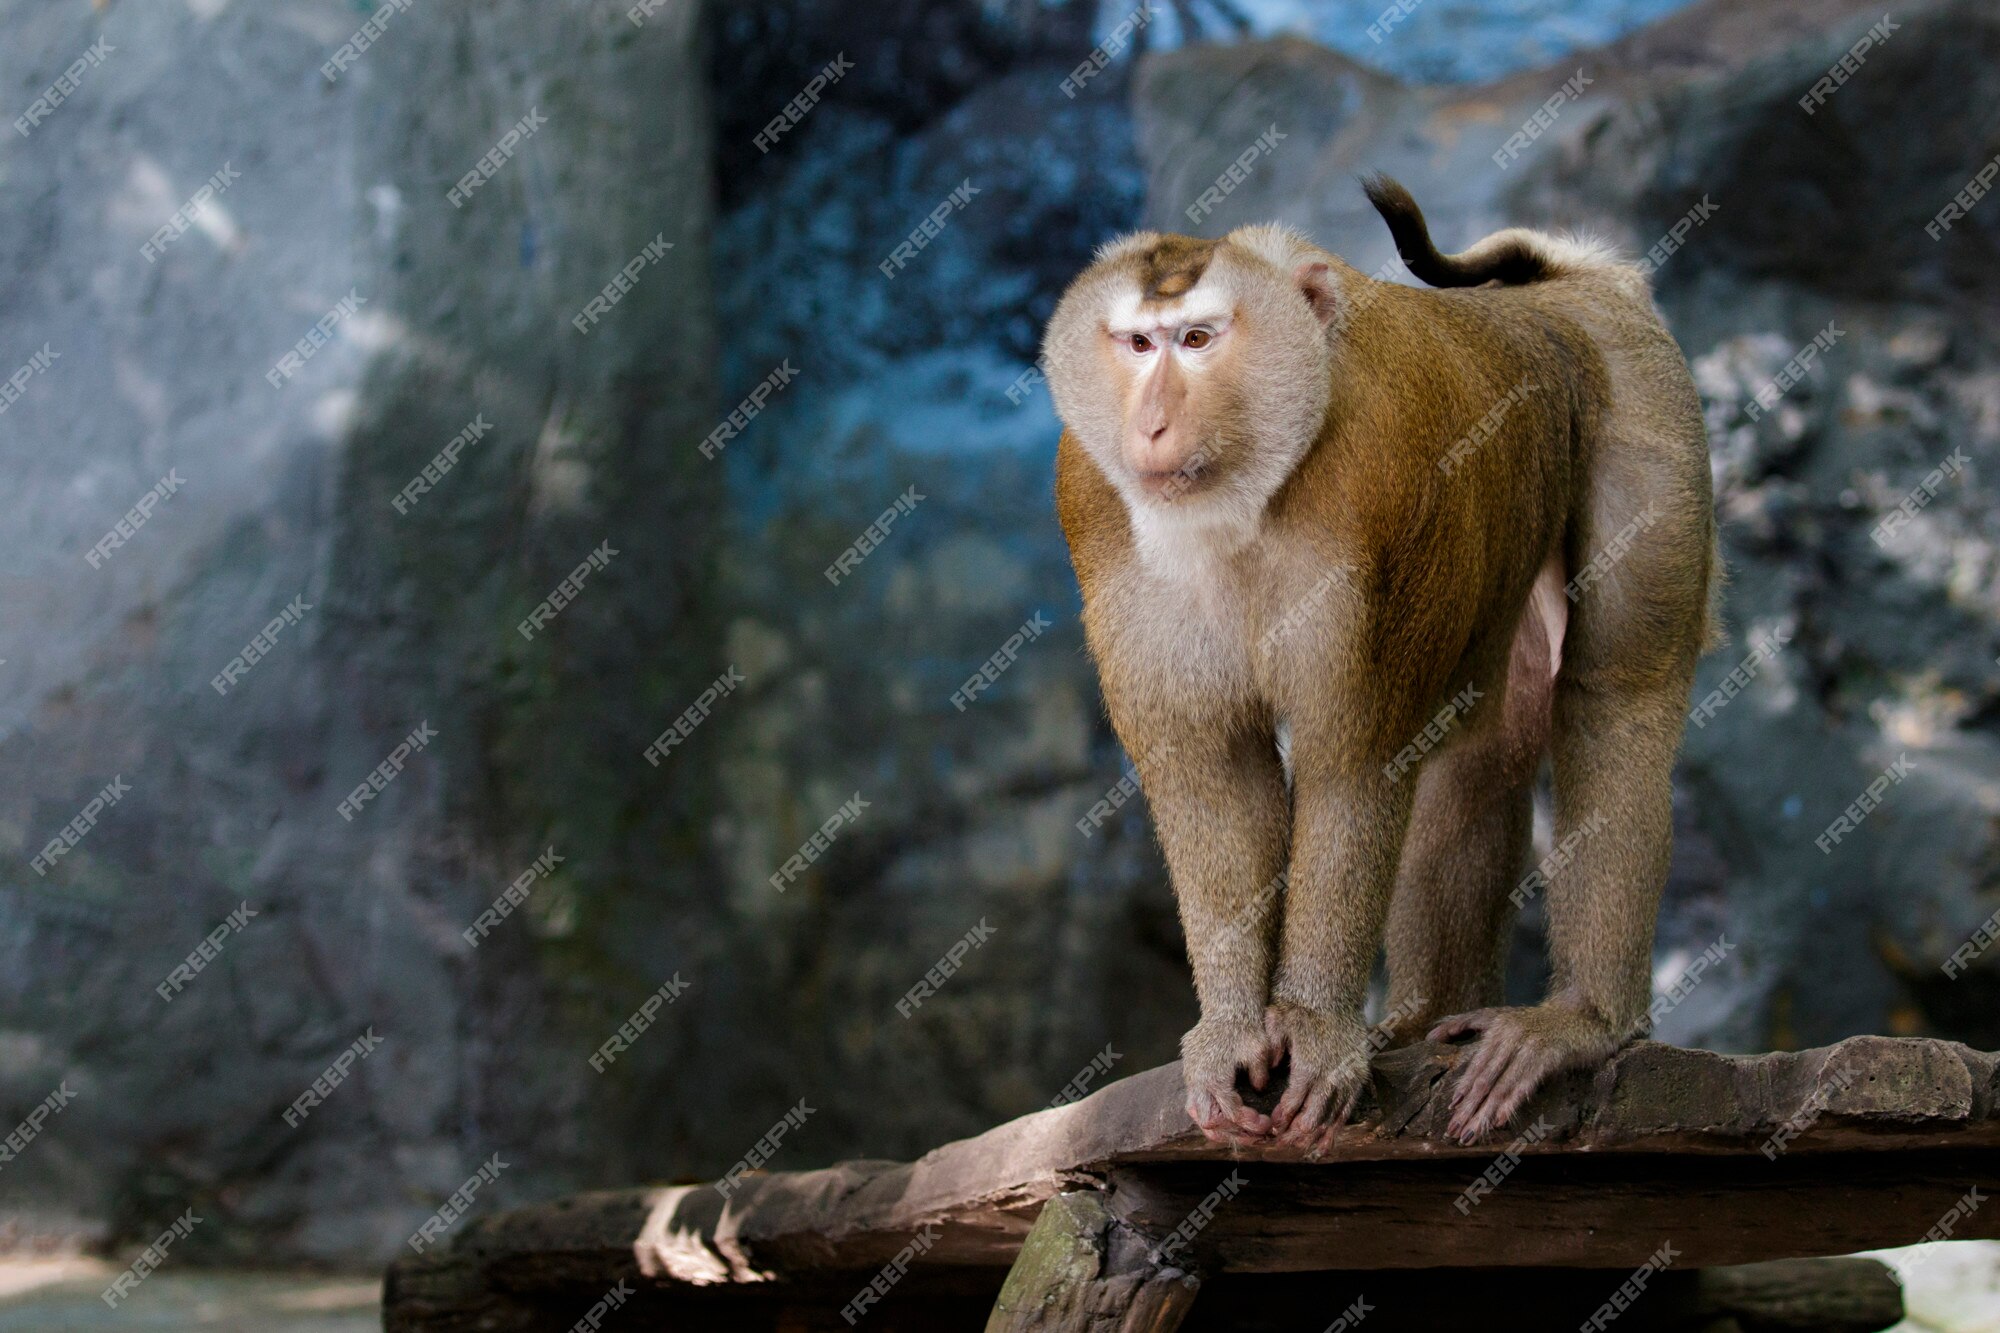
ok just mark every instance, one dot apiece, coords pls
pixel 1425 537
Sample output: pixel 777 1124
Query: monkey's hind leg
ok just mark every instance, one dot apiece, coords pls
pixel 1470 839
pixel 1636 628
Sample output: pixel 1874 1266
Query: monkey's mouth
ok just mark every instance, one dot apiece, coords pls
pixel 1177 483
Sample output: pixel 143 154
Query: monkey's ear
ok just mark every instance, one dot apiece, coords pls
pixel 1315 283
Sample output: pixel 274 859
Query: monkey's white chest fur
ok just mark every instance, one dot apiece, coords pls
pixel 1220 610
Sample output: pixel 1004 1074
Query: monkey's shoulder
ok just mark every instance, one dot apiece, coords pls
pixel 1089 508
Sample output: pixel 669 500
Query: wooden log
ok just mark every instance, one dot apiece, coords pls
pixel 1792 1296
pixel 1734 1158
pixel 1805 1295
pixel 1081 1268
pixel 449 1294
pixel 1795 1296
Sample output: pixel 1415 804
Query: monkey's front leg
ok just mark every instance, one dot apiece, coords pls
pixel 1347 834
pixel 1217 794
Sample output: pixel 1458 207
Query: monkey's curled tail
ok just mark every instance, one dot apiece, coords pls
pixel 1514 256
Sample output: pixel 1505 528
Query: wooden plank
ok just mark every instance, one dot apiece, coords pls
pixel 1592 1210
pixel 1684 1134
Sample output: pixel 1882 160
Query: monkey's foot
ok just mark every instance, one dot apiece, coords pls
pixel 1211 1053
pixel 1518 1049
pixel 1328 1058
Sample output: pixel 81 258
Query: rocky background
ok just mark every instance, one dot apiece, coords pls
pixel 916 387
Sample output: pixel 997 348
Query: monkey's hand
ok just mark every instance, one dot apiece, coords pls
pixel 1211 1053
pixel 1518 1049
pixel 1328 1054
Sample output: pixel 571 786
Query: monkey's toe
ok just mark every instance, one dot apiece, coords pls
pixel 1518 1049
pixel 1478 1104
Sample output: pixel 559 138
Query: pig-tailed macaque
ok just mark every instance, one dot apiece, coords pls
pixel 1430 537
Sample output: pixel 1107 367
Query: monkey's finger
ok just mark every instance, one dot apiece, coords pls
pixel 1247 1118
pixel 1252 1121
pixel 1230 1111
pixel 1288 1105
pixel 1347 1108
pixel 1225 1133
pixel 1311 1119
pixel 1211 1118
pixel 1325 1144
pixel 1319 1143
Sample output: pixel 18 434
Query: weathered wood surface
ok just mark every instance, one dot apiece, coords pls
pixel 1590 1211
pixel 1661 1145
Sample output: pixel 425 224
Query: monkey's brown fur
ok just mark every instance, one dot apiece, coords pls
pixel 1373 588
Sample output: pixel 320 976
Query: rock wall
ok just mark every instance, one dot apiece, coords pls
pixel 337 191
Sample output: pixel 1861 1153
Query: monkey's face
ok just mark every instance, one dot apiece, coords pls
pixel 1194 372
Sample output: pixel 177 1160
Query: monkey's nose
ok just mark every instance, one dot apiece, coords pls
pixel 1156 450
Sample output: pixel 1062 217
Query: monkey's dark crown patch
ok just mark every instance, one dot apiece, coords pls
pixel 1172 268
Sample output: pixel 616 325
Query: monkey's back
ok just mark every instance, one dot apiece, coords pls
pixel 1455 451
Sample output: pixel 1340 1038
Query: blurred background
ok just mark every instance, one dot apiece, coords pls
pixel 261 265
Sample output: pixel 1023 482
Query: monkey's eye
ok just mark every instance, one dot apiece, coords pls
pixel 1196 339
pixel 1141 343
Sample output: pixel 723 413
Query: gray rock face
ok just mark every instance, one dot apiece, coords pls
pixel 283 491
